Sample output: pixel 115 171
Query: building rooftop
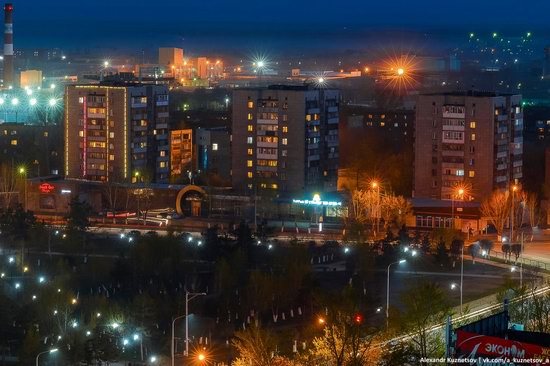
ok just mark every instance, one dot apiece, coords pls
pixel 471 93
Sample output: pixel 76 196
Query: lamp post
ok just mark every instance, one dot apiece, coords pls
pixel 461 276
pixel 188 297
pixel 459 193
pixel 514 189
pixel 388 291
pixel 453 286
pixel 54 350
pixel 172 348
pixel 23 172
pixel 376 186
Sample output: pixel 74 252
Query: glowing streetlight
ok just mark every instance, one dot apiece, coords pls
pixel 135 337
pixel 2 101
pixel 17 285
pixel 15 101
pixel 260 64
pixel 201 357
pixel 400 71
pixel 33 101
pixel 321 80
pixel 52 102
pixel 401 261
pixel 88 333
pixel 125 342
pixel 106 63
pixel 52 86
pixel 115 325
pixel 321 321
pixel 28 91
pixel 53 350
pixel 153 359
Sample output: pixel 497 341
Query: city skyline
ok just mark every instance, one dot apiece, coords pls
pixel 231 26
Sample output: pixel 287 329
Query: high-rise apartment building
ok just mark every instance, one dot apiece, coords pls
pixel 117 132
pixel 181 153
pixel 471 139
pixel 285 138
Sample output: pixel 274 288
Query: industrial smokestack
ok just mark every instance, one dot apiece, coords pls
pixel 8 45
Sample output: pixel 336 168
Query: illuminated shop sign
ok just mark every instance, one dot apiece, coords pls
pixel 46 188
pixel 316 201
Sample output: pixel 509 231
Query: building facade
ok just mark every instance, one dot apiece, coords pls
pixel 181 153
pixel 117 132
pixel 467 139
pixel 214 152
pixel 285 138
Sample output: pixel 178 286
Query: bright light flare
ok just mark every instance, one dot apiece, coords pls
pixel 400 73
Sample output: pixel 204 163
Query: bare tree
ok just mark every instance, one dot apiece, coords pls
pixel 395 209
pixel 497 210
pixel 531 205
pixel 8 184
pixel 112 192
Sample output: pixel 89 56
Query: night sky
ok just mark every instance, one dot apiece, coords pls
pixel 218 23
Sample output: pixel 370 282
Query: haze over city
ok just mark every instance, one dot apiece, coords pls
pixel 294 183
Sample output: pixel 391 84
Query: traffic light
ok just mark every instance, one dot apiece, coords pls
pixel 358 318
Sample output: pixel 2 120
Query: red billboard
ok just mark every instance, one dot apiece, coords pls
pixel 475 346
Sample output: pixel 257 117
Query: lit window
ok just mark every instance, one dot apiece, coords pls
pixel 46 134
pixel 250 104
pixel 111 135
pixel 249 163
pixel 471 173
pixel 14 142
pixel 460 172
pixel 285 129
pixel 214 146
pixel 250 128
pixel 111 157
pixel 81 133
pixel 249 140
pixel 308 117
pixel 382 124
pixel 285 141
pixel 472 125
pixel 249 174
pixel 163 153
pixel 250 116
pixel 250 152
pixel 81 100
pixel 162 164
pixel 473 137
pixel 274 186
pixel 250 186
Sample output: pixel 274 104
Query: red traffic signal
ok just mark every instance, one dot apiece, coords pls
pixel 358 318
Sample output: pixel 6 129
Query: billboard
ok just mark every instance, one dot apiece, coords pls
pixel 485 350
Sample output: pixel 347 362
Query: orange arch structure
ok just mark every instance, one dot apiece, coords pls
pixel 183 192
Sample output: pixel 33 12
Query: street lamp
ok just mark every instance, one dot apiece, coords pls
pixel 23 173
pixel 188 297
pixel 54 350
pixel 453 287
pixel 459 193
pixel 514 189
pixel 376 185
pixel 388 290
